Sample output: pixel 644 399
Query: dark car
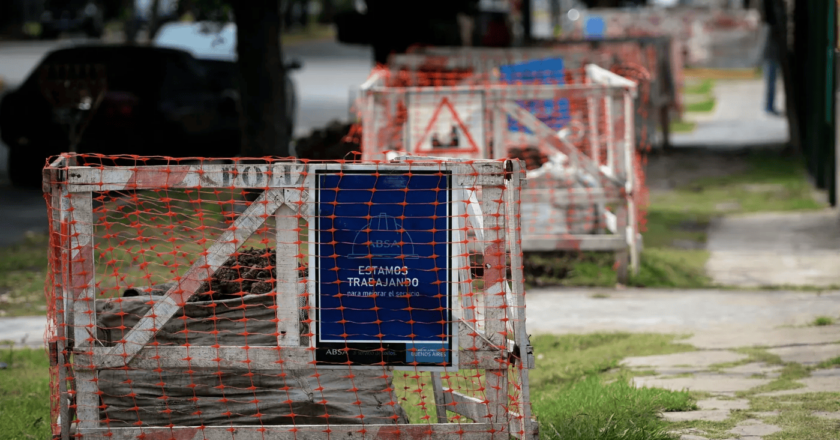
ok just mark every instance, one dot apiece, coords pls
pixel 72 16
pixel 214 46
pixel 158 101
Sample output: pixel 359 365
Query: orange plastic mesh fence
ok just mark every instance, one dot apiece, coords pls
pixel 644 60
pixel 574 129
pixel 268 298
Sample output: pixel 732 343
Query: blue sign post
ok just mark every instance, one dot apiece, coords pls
pixel 383 275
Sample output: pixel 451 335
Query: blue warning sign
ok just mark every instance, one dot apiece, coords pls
pixel 383 275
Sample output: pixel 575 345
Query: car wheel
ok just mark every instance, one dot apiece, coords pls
pixel 24 167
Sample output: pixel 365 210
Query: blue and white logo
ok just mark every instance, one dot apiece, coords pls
pixel 383 237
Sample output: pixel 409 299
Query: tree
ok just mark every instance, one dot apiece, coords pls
pixel 262 74
pixel 154 19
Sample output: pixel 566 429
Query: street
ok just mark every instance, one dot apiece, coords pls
pixel 330 72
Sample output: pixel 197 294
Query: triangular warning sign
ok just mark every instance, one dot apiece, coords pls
pixel 426 145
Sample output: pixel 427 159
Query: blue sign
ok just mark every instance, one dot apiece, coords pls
pixel 383 275
pixel 595 27
pixel 553 112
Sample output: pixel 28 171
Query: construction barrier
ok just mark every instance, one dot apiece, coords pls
pixel 655 62
pixel 360 300
pixel 585 185
pixel 649 61
pixel 707 37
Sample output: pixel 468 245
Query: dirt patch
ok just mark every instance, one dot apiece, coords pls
pixel 543 269
pixel 251 271
pixel 665 172
pixel 336 141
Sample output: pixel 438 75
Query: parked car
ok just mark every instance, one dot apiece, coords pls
pixel 167 12
pixel 159 101
pixel 214 45
pixel 72 16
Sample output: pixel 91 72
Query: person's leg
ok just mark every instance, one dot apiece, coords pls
pixel 770 77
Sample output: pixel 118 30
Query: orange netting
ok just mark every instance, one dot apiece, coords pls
pixel 270 298
pixel 575 126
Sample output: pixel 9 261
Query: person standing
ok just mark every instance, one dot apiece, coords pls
pixel 770 56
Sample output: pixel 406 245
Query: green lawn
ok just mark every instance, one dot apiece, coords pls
pixel 24 395
pixel 682 126
pixel 702 106
pixel 23 268
pixel 703 87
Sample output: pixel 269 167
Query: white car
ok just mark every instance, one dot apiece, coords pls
pixel 214 45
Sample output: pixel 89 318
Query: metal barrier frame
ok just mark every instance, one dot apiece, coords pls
pixel 499 100
pixel 287 187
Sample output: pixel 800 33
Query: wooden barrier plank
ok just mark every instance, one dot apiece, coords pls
pixel 205 266
pixel 443 431
pixel 118 178
pixel 83 292
pixel 580 242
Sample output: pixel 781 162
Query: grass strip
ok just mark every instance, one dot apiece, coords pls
pixel 682 126
pixel 704 87
pixel 702 106
pixel 24 395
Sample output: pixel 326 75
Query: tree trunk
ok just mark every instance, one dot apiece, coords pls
pixel 130 25
pixel 327 12
pixel 261 79
pixel 153 19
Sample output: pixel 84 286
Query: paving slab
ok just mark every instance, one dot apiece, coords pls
pixel 728 405
pixel 712 383
pixel 823 384
pixel 774 337
pixel 678 363
pixel 807 354
pixel 753 368
pixel 828 415
pixel 827 372
pixel 754 428
pixel 713 415
pixel 688 431
pixel 692 437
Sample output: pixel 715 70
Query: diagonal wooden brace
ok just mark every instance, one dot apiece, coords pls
pixel 206 265
pixel 550 137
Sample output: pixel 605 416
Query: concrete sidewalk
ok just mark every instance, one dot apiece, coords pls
pixel 737 120
pixel 574 310
pixel 724 326
pixel 775 249
pixel 764 249
pixel 25 331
